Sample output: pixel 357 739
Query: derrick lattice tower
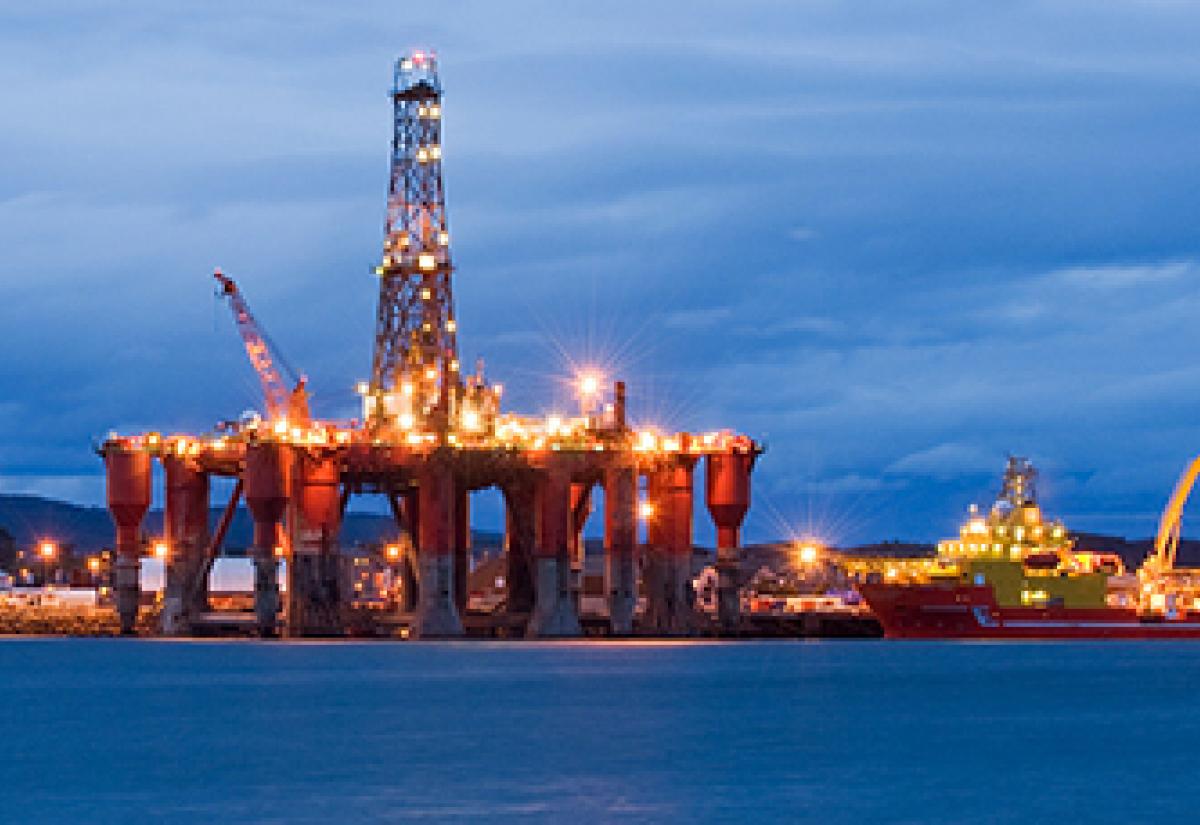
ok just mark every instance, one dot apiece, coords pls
pixel 415 377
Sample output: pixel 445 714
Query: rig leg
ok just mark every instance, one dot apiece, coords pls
pixel 314 569
pixel 436 615
pixel 128 479
pixel 268 483
pixel 125 584
pixel 620 574
pixel 728 600
pixel 581 508
pixel 266 590
pixel 727 491
pixel 185 595
pixel 680 602
pixel 411 518
pixel 462 547
pixel 554 611
pixel 656 562
pixel 520 540
pixel 408 582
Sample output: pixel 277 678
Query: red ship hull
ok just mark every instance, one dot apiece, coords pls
pixel 950 611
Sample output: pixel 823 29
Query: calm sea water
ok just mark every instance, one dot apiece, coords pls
pixel 104 731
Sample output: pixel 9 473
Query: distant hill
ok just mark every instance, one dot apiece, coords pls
pixel 88 529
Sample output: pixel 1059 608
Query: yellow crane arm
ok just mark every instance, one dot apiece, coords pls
pixel 1166 543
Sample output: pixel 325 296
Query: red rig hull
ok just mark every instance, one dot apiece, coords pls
pixel 956 611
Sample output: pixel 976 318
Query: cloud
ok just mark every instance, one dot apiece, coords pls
pixel 803 324
pixel 846 484
pixel 697 319
pixel 1120 277
pixel 948 460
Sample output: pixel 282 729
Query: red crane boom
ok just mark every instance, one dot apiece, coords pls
pixel 280 403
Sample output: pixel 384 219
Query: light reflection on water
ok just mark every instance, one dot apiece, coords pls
pixel 113 730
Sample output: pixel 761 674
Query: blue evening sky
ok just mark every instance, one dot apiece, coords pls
pixel 896 241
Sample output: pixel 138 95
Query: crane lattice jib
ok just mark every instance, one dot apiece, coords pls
pixel 416 352
pixel 275 394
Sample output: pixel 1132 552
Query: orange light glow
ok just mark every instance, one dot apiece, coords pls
pixel 589 384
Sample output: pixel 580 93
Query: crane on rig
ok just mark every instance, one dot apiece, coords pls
pixel 281 404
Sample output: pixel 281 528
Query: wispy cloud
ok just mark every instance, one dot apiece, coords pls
pixel 697 319
pixel 1124 276
pixel 948 460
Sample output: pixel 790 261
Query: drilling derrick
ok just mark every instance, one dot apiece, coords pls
pixel 415 373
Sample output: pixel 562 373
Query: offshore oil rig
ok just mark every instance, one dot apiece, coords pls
pixel 427 438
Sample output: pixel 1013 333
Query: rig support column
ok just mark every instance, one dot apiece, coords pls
pixel 620 539
pixel 313 593
pixel 727 491
pixel 668 563
pixel 581 508
pixel 680 490
pixel 654 557
pixel 268 488
pixel 436 614
pixel 409 583
pixel 128 476
pixel 554 611
pixel 462 546
pixel 185 593
pixel 520 538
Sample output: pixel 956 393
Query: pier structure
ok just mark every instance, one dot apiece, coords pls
pixel 427 438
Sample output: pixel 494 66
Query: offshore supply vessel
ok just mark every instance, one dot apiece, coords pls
pixel 1013 574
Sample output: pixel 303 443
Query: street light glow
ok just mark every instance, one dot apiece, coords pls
pixel 48 549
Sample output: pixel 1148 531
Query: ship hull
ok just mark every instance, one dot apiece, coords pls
pixel 944 611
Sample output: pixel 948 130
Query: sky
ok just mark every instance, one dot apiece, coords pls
pixel 895 242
